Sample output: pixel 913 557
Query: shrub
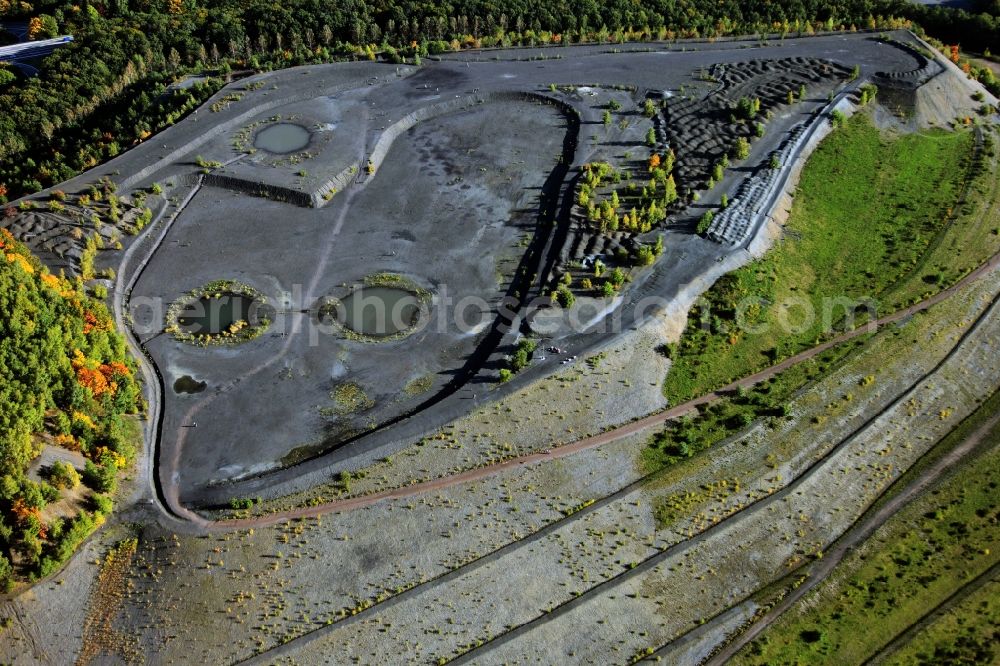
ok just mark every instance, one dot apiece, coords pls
pixel 48 492
pixel 717 172
pixel 103 477
pixel 617 277
pixel 565 297
pixel 705 222
pixel 868 92
pixel 741 148
pixel 64 475
pixel 6 574
pixel 522 354
pixel 71 537
pixel 747 108
pixel 645 256
pixel 241 503
pixel 102 504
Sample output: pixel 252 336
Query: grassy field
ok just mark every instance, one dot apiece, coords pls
pixel 684 438
pixel 971 238
pixel 869 206
pixel 922 555
pixel 966 634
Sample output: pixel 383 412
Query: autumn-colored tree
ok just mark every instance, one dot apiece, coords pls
pixel 175 6
pixel 35 27
pixel 954 53
pixel 654 161
pixel 42 26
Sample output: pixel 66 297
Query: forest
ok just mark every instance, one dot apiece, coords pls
pixel 110 89
pixel 66 381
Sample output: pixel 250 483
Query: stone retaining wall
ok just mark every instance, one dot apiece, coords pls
pixel 257 189
pixel 756 195
pixel 914 78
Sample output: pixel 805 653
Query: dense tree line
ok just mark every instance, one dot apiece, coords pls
pixel 65 380
pixel 106 91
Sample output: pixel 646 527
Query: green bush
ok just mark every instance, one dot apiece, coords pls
pixel 59 550
pixel 565 297
pixel 705 222
pixel 522 354
pixel 238 503
pixel 102 504
pixel 741 148
pixel 64 475
pixel 103 478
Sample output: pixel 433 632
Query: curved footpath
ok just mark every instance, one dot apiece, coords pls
pixel 649 422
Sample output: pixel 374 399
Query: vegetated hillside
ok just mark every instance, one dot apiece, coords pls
pixel 931 549
pixel 65 381
pixel 107 90
pixel 862 221
pixel 868 207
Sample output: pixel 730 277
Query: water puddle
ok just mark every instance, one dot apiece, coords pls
pixel 188 384
pixel 378 311
pixel 282 138
pixel 218 314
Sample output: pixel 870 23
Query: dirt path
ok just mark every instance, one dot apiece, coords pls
pixel 901 640
pixel 855 536
pixel 652 421
pixel 152 379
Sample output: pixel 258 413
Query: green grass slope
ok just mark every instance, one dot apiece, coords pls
pixel 868 206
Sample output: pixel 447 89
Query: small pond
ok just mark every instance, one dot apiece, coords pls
pixel 282 138
pixel 211 315
pixel 188 384
pixel 379 311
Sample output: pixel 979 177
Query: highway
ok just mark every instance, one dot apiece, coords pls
pixel 19 53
